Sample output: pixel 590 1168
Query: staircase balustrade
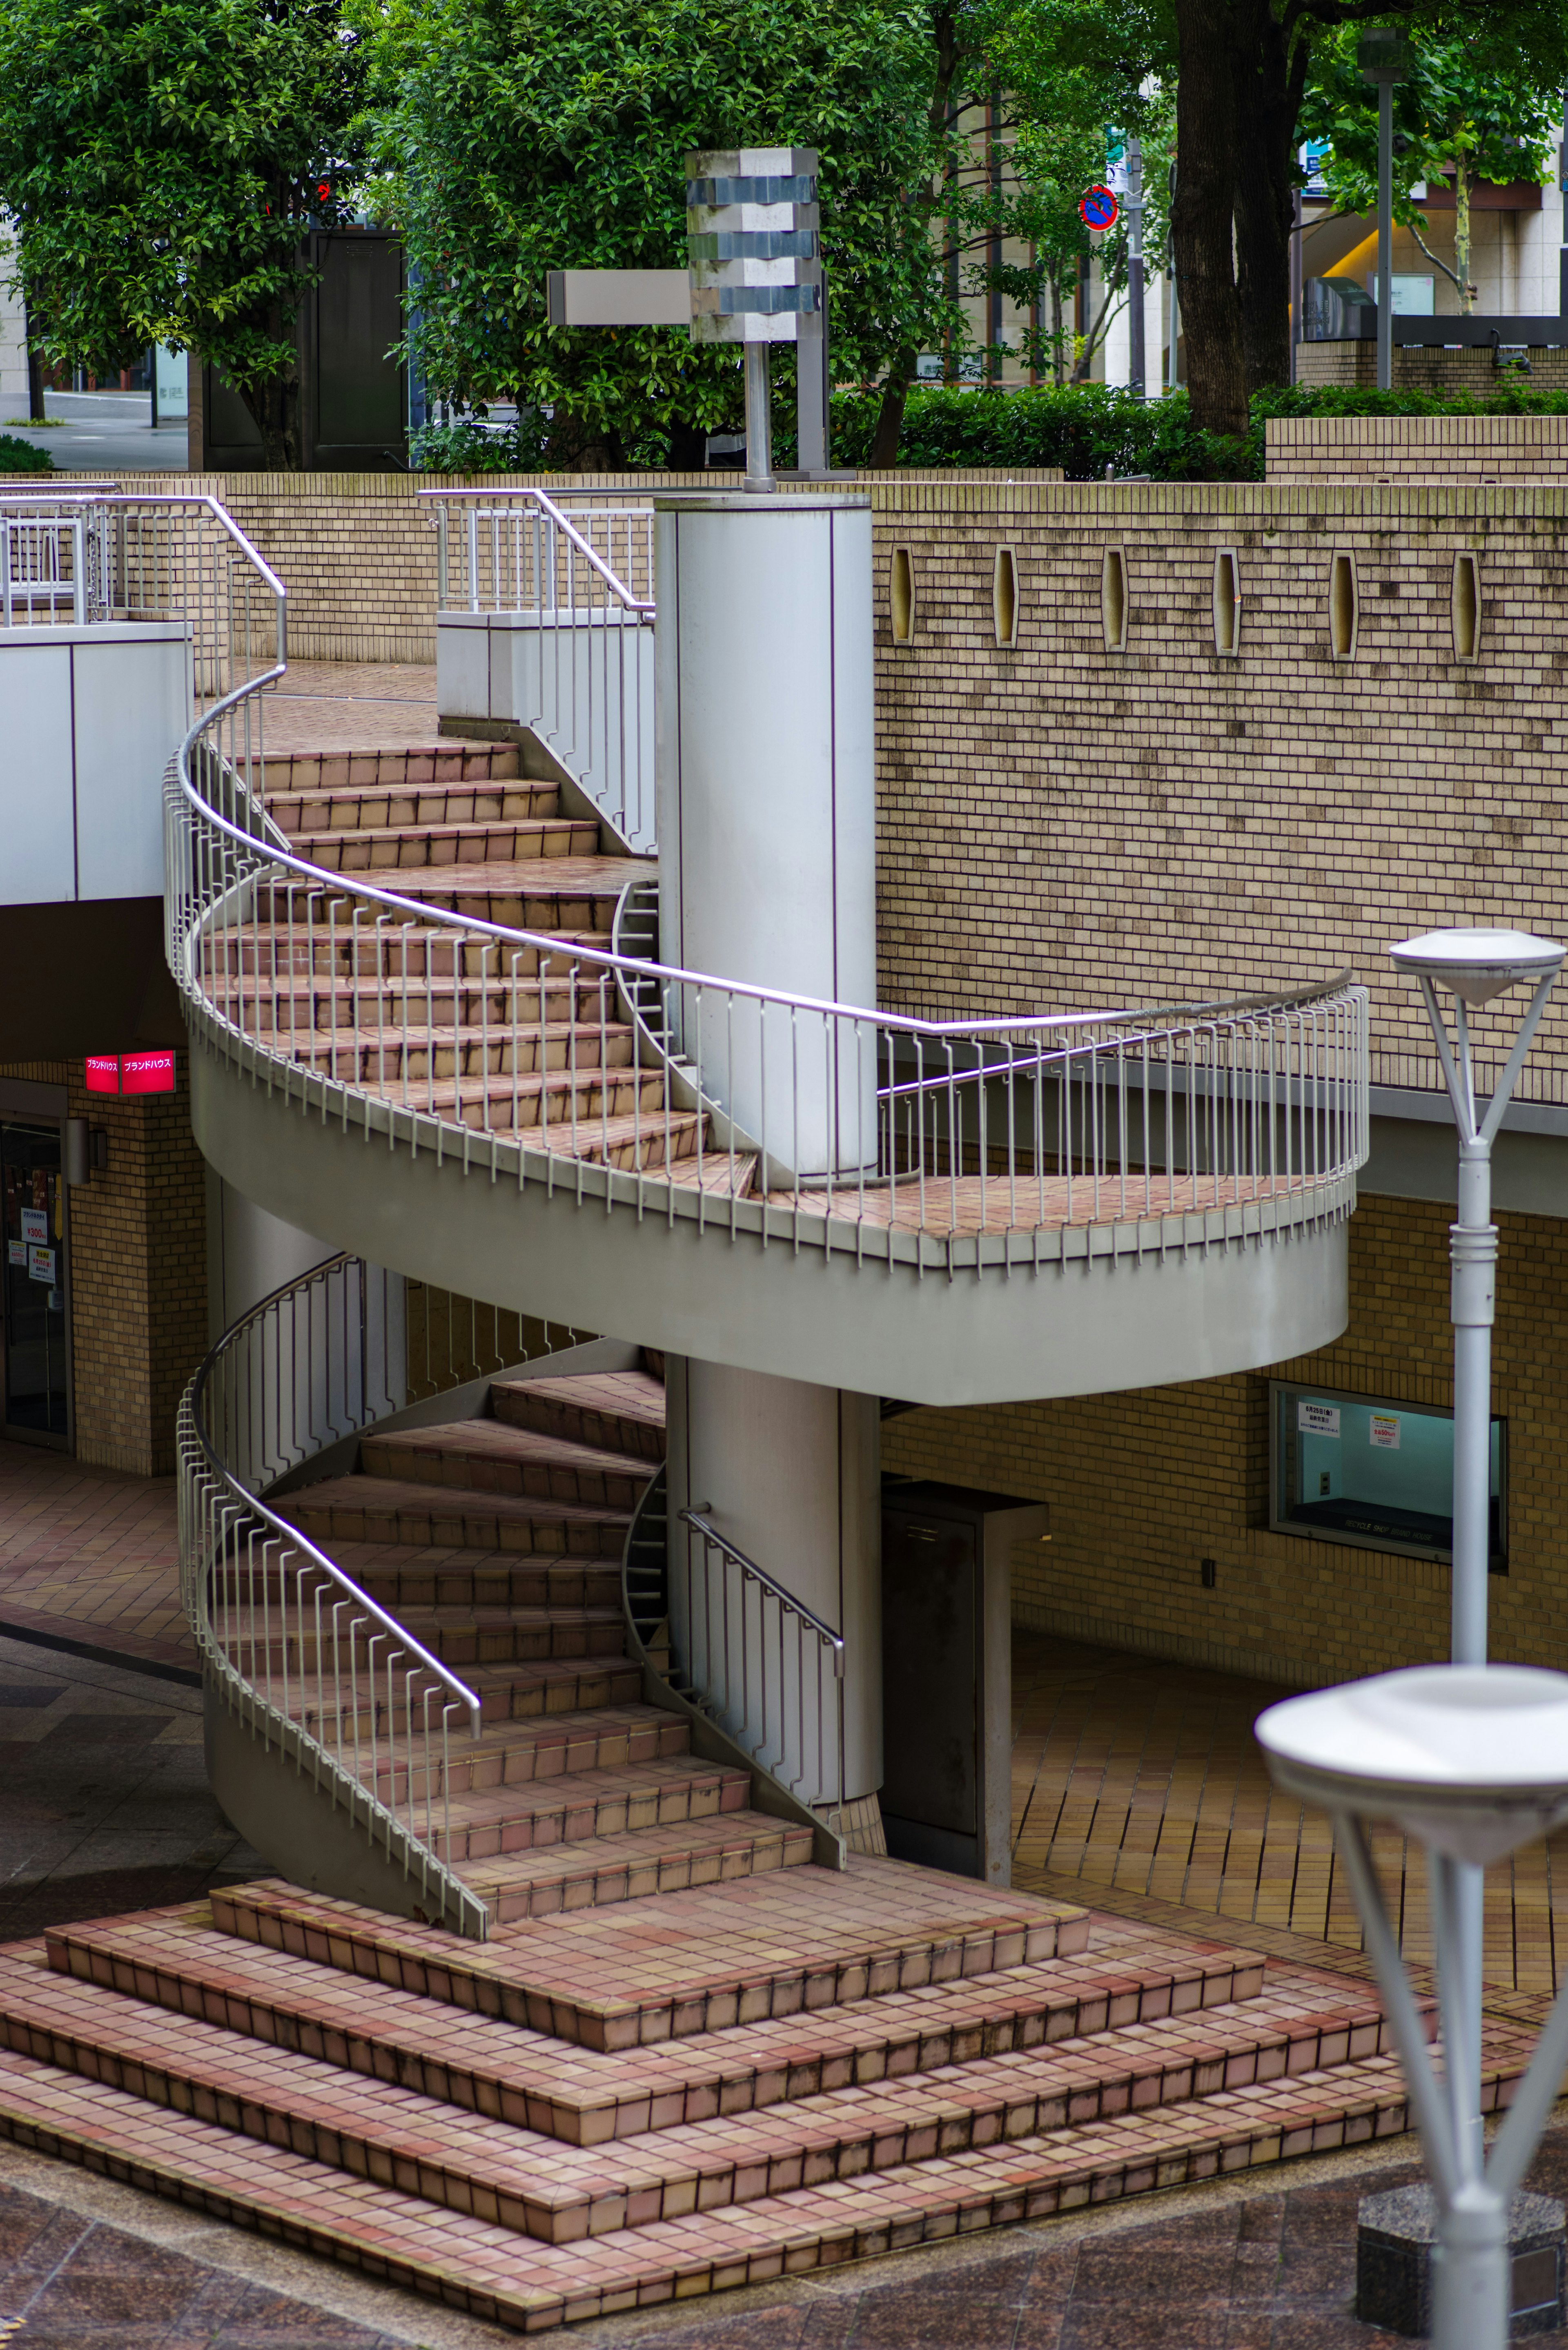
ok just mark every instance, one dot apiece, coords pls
pixel 289 1642
pixel 573 592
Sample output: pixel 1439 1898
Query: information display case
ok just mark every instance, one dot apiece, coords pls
pixel 1373 1471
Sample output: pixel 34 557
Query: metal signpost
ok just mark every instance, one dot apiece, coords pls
pixel 1471 1762
pixel 1136 359
pixel 754 278
pixel 1383 55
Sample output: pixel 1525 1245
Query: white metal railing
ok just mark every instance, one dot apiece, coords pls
pixel 312 1663
pixel 572 576
pixel 974 1144
pixel 770 1671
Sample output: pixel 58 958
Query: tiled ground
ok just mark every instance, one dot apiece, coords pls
pixel 106 1804
pixel 1139 1784
pixel 352 706
pixel 89 1554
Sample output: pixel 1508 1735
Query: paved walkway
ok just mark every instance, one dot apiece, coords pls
pixel 89 1556
pixel 352 706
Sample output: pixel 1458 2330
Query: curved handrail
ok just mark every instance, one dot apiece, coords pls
pixel 296 1647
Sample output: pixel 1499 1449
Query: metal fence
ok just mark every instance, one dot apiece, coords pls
pixel 770 1671
pixel 567 583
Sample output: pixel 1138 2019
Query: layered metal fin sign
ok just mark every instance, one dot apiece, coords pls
pixel 753 244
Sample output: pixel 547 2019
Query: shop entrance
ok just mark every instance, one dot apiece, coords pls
pixel 36 1356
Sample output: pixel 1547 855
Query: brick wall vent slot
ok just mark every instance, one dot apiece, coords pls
pixel 1342 607
pixel 1227 602
pixel 1004 598
pixel 1466 606
pixel 902 590
pixel 1113 599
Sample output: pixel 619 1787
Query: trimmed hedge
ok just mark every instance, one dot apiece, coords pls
pixel 19 456
pixel 1084 428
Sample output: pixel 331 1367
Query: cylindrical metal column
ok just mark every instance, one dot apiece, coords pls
pixel 1385 237
pixel 767 788
pixel 1472 1248
pixel 790 1475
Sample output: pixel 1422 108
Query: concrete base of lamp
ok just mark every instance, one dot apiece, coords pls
pixel 1395 2244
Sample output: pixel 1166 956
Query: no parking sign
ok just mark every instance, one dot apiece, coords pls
pixel 1098 209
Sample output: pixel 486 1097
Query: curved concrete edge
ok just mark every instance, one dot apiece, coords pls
pixel 1098 1324
pixel 277 1807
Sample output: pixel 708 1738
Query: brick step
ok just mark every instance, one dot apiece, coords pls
pixel 471 2263
pixel 610 1870
pixel 647 1140
pixel 493 1456
pixel 560 2193
pixel 1129 1979
pixel 581 1807
pixel 563 893
pixel 412 847
pixel 615 1411
pixel 403 1575
pixel 540 1751
pixel 570 1054
pixel 523 1690
pixel 403 953
pixel 710 1958
pixel 295 1000
pixel 443 764
pixel 714 1169
pixel 393 1510
pixel 461 1638
pixel 298 809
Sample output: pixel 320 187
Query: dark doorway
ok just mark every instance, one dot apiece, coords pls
pixel 37 1356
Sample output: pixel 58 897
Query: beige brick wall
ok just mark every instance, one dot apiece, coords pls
pixel 1400 449
pixel 1423 367
pixel 139 1272
pixel 1144 1486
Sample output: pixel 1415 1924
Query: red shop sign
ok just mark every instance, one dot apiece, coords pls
pixel 130 1073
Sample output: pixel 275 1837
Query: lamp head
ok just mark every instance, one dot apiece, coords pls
pixel 1383 54
pixel 1479 965
pixel 1473 1759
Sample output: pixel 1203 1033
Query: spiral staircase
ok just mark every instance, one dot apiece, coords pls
pixel 570 1996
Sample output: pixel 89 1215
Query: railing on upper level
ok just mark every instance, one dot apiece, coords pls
pixel 566 580
pixel 314 1666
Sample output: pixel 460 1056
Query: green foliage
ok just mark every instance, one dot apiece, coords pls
pixel 1084 428
pixel 464 448
pixel 19 456
pixel 531 137
pixel 161 160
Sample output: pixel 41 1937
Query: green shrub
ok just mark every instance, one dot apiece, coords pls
pixel 474 449
pixel 1084 428
pixel 19 456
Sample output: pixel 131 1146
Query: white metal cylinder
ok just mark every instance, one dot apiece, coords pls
pixel 766 787
pixel 1471 2274
pixel 791 1474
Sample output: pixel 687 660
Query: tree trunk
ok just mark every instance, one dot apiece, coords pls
pixel 1268 99
pixel 1462 235
pixel 276 411
pixel 1200 218
pixel 884 452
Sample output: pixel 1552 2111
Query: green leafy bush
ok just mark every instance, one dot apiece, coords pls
pixel 1084 428
pixel 466 448
pixel 17 456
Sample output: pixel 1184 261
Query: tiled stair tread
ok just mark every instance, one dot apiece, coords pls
pixel 595 1790
pixel 691 1962
pixel 604 1871
pixel 546 2187
pixel 480 2267
pixel 385 1496
pixel 498 1440
pixel 624 1409
pixel 475 830
pixel 716 1172
pixel 582 1049
pixel 543 1747
pixel 321 770
pixel 299 809
pixel 412 1560
pixel 568 876
pixel 586 2097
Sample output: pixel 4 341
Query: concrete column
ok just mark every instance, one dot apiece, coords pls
pixel 791 1473
pixel 766 789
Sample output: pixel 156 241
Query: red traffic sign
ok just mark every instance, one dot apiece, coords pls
pixel 1098 209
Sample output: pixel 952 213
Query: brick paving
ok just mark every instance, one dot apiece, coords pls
pixel 89 1556
pixel 352 705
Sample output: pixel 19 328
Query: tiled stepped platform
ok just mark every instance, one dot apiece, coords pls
pixel 436 2111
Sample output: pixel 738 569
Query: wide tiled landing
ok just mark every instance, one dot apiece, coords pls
pixel 91 1556
pixel 352 705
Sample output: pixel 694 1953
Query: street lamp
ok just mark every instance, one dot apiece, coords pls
pixel 1473 1761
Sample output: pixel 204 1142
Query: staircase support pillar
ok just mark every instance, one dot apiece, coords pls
pixel 791 1476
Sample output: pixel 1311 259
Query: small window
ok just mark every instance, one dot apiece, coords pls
pixel 1113 599
pixel 1466 608
pixel 1227 602
pixel 902 586
pixel 1373 1472
pixel 1342 607
pixel 1004 598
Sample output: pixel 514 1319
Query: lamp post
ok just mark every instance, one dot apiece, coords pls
pixel 1383 55
pixel 1474 967
pixel 1472 1761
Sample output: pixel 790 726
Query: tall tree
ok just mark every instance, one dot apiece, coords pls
pixel 161 160
pixel 1466 111
pixel 532 135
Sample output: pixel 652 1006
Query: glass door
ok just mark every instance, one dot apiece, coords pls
pixel 37 1344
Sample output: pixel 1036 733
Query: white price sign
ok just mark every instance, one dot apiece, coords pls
pixel 1385 1430
pixel 1317 1418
